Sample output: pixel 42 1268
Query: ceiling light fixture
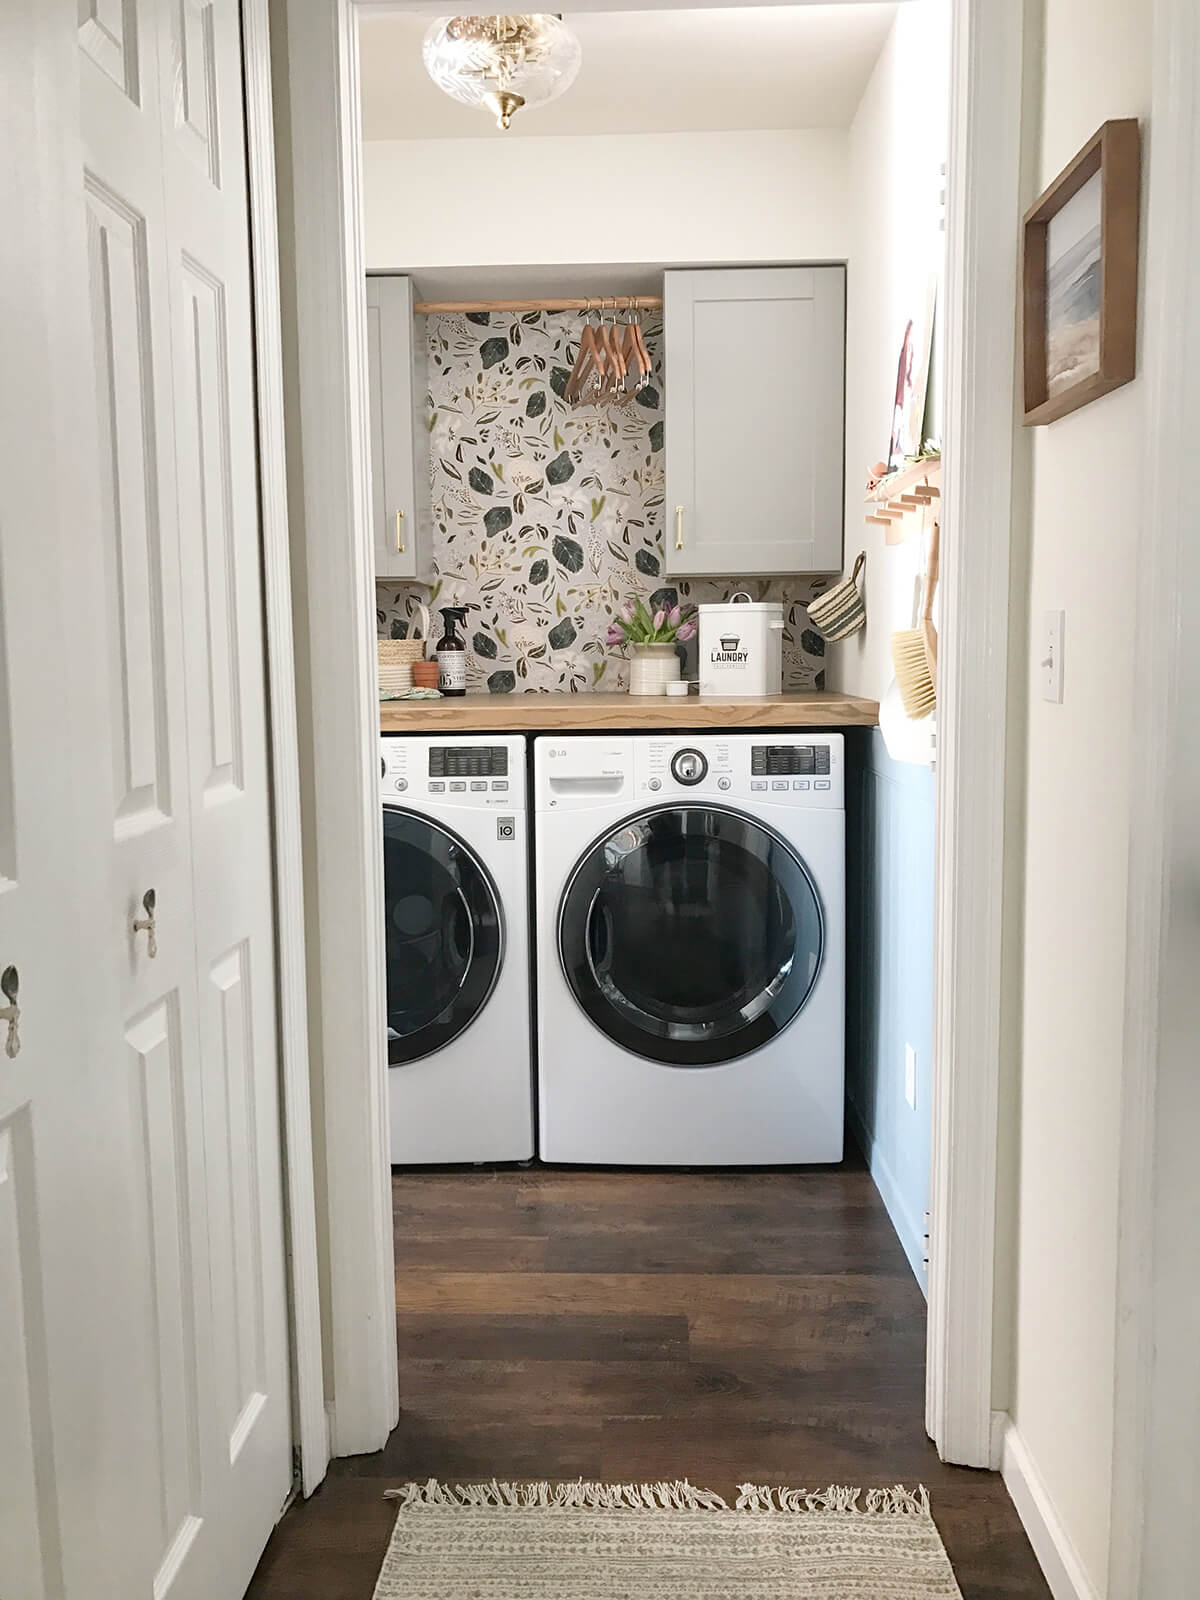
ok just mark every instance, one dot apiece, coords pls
pixel 502 63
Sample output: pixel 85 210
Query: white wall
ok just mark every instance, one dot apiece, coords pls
pixel 1095 65
pixel 898 145
pixel 660 198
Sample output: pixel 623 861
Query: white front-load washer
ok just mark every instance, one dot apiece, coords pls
pixel 690 903
pixel 456 891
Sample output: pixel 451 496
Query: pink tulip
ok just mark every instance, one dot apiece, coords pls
pixel 688 631
pixel 675 616
pixel 614 635
pixel 627 611
pixel 660 616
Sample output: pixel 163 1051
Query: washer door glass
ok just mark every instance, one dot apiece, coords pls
pixel 444 935
pixel 691 935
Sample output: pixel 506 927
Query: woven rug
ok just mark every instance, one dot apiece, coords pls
pixel 662 1541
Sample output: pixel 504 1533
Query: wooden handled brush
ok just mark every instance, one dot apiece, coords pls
pixel 914 651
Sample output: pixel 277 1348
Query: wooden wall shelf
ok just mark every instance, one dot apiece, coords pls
pixel 639 713
pixel 899 502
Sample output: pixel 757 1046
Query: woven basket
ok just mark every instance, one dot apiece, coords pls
pixel 401 652
pixel 841 611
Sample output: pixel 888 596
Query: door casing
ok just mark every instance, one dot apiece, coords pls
pixel 974 1054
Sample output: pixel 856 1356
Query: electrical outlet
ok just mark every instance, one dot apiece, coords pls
pixel 1050 660
pixel 910 1076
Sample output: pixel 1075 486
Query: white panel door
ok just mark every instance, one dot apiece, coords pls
pixel 66 1510
pixel 177 766
pixel 227 779
pixel 755 380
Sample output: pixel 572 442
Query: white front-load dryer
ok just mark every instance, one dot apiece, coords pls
pixel 690 903
pixel 456 893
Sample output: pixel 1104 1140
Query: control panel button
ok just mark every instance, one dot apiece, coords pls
pixel 401 785
pixel 688 767
pixel 822 783
pixel 502 784
pixel 757 783
pixel 479 788
pixel 458 788
pixel 437 788
pixel 779 783
pixel 655 784
pixel 799 783
pixel 722 783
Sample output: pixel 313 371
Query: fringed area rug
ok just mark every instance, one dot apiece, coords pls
pixel 661 1541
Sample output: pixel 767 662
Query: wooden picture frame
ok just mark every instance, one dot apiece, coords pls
pixel 1079 331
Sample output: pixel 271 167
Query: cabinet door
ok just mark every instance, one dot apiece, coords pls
pixel 755 385
pixel 395 386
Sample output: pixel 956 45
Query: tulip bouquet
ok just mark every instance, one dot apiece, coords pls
pixel 635 624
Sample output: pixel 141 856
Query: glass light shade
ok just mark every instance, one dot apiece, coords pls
pixel 502 63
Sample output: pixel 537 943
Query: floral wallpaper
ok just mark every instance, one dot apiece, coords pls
pixel 545 518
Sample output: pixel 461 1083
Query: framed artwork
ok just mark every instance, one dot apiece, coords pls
pixel 1080 276
pixel 912 381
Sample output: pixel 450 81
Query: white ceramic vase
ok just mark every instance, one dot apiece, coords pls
pixel 652 667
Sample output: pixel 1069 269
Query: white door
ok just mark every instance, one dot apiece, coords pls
pixel 190 1029
pixel 144 1406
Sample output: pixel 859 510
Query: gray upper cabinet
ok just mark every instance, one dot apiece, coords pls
pixel 755 402
pixel 396 377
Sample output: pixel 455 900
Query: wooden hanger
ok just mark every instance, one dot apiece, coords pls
pixel 590 357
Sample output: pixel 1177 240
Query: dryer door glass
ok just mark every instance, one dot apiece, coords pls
pixel 444 935
pixel 691 935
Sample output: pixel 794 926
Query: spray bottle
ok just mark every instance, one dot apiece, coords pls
pixel 452 652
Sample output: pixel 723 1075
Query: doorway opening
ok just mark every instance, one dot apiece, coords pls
pixel 796 213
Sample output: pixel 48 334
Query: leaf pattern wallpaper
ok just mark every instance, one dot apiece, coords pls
pixel 546 517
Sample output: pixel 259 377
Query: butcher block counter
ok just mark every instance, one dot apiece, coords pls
pixel 546 712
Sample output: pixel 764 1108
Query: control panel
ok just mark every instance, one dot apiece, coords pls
pixel 452 771
pixel 804 770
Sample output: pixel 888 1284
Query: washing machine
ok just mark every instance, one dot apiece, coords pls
pixel 690 906
pixel 456 891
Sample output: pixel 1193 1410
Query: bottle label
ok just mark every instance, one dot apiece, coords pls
pixel 452 669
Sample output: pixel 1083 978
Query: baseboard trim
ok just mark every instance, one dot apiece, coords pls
pixel 1056 1555
pixel 911 1237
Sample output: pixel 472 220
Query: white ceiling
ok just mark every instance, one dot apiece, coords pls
pixel 657 71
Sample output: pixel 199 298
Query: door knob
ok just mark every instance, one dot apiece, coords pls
pixel 147 923
pixel 10 987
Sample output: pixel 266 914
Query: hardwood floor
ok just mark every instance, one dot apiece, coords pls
pixel 643 1325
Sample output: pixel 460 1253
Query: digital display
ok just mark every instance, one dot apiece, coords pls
pixel 789 760
pixel 468 761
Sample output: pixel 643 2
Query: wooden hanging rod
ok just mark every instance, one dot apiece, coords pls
pixel 607 302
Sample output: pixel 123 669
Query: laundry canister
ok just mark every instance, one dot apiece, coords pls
pixel 741 647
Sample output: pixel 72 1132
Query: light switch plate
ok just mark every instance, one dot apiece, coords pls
pixel 1050 656
pixel 910 1076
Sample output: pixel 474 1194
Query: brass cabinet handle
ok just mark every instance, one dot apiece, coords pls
pixel 148 924
pixel 399 533
pixel 10 987
pixel 679 527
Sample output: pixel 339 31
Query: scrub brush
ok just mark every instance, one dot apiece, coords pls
pixel 914 652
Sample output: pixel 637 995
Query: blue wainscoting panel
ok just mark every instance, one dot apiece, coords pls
pixel 889 978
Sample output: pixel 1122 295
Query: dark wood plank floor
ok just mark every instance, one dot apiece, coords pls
pixel 622 1325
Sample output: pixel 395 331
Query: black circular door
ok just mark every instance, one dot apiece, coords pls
pixel 690 934
pixel 444 935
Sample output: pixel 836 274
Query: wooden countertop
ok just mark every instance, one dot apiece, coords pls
pixel 546 711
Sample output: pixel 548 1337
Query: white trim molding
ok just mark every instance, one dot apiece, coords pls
pixel 334 579
pixel 983 205
pixel 1155 1537
pixel 1059 1560
pixel 310 1425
